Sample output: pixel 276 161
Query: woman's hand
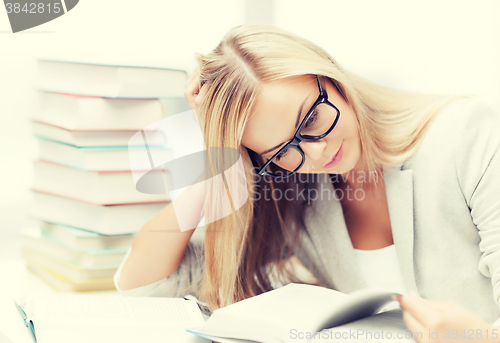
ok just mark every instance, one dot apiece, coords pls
pixel 193 93
pixel 441 321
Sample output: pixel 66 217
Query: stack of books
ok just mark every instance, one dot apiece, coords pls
pixel 85 196
pixel 71 259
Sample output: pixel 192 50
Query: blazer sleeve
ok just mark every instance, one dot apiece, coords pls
pixel 477 159
pixel 185 280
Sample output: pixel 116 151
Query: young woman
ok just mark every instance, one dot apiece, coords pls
pixel 363 184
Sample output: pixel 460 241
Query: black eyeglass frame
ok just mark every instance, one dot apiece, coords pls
pixel 294 143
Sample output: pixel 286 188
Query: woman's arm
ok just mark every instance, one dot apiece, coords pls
pixel 477 158
pixel 159 247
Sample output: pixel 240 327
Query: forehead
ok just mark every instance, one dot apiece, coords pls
pixel 275 114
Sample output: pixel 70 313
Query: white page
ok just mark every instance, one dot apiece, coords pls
pixel 292 309
pixel 361 303
pixel 103 318
pixel 383 327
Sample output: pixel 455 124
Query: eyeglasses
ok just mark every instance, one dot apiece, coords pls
pixel 318 122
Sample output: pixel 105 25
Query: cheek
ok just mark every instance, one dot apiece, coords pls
pixel 346 129
pixel 351 136
pixel 350 125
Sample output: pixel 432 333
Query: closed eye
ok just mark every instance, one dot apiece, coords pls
pixel 312 118
pixel 281 155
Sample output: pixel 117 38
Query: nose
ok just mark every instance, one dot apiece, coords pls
pixel 314 150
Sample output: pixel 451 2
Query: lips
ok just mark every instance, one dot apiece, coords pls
pixel 335 159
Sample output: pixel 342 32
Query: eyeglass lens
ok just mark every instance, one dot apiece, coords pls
pixel 318 123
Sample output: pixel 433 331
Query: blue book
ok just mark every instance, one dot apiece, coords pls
pixel 103 158
pixel 83 240
pixel 34 240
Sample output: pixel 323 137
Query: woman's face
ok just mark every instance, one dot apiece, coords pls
pixel 273 124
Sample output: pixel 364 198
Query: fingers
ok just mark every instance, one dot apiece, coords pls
pixel 426 312
pixel 414 325
pixel 421 315
pixel 412 299
pixel 192 76
pixel 194 93
pixel 201 95
pixel 192 88
pixel 197 103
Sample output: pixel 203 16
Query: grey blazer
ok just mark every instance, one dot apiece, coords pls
pixel 444 207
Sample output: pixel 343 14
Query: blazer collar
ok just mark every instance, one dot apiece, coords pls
pixel 339 258
pixel 399 191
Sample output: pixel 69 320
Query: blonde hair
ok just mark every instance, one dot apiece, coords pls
pixel 240 248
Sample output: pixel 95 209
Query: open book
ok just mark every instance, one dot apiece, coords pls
pixel 302 313
pixel 63 318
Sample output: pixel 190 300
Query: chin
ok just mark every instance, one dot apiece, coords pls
pixel 336 170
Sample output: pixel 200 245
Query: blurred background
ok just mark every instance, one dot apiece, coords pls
pixel 428 46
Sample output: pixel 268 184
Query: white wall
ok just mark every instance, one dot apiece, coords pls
pixel 425 45
pixel 145 30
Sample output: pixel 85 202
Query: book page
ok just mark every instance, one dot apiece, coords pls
pixel 360 304
pixel 70 310
pixel 383 327
pixel 294 306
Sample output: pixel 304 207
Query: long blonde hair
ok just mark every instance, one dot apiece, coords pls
pixel 240 248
